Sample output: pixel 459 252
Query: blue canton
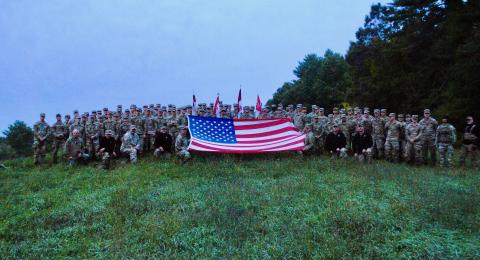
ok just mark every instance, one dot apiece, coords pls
pixel 211 129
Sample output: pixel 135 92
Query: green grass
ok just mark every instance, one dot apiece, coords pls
pixel 239 207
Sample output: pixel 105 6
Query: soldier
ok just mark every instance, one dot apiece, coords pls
pixel 163 143
pixel 299 118
pixel 182 117
pixel 181 145
pixel 402 140
pixel 74 149
pixel 429 125
pixel 378 134
pixel 471 141
pixel 309 147
pixel 383 115
pixel 109 123
pixel 41 131
pixel 246 113
pixel 77 125
pixel 335 143
pixel 345 128
pixel 362 145
pixel 67 123
pixel 107 149
pixel 309 117
pixel 131 144
pixel 172 122
pixel 60 133
pixel 392 145
pixel 93 132
pixel 444 140
pixel 150 127
pixel 318 131
pixel 413 147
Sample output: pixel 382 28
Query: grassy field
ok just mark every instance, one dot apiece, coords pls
pixel 267 207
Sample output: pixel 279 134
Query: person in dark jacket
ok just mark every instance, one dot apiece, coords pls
pixel 336 143
pixel 107 148
pixel 471 141
pixel 362 145
pixel 163 143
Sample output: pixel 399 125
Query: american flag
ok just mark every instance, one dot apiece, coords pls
pixel 224 135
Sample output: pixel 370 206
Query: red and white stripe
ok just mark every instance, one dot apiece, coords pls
pixel 256 136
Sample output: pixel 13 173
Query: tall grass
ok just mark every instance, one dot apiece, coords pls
pixel 241 207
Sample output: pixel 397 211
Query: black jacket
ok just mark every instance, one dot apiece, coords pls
pixel 472 129
pixel 109 144
pixel 164 140
pixel 361 141
pixel 334 141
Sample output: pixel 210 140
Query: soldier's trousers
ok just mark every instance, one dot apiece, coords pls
pixel 392 149
pixel 469 150
pixel 183 154
pixel 57 146
pixel 39 151
pixel 131 153
pixel 92 146
pixel 106 160
pixel 413 151
pixel 367 155
pixel 378 146
pixel 446 154
pixel 82 159
pixel 429 149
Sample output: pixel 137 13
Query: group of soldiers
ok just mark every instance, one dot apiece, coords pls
pixel 163 130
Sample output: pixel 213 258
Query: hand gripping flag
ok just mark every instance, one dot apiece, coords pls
pixel 226 135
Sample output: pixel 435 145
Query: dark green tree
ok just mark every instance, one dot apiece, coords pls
pixel 20 137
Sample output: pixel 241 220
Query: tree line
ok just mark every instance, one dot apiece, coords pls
pixel 408 55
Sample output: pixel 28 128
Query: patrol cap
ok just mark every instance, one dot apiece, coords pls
pixel 335 109
pixel 415 116
pixel 75 111
pixel 108 132
pixel 151 106
pixel 163 127
pixel 299 105
pixel 99 111
pixel 343 116
pixel 391 114
pixel 127 110
pixel 92 116
pixel 376 110
pixel 383 110
pixel 322 109
pixel 105 109
pixel 408 115
pixel 314 107
pixel 42 114
pixel 67 116
pixel 133 127
pixel 400 115
pixel 189 106
pixel 58 115
pixel 427 111
pixel 158 105
pixel 119 106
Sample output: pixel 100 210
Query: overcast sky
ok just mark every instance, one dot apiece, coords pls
pixel 61 55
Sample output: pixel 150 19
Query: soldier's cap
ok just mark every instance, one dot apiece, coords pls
pixel 391 114
pixel 383 110
pixel 145 106
pixel 119 106
pixel 274 105
pixel 322 109
pixel 105 109
pixel 201 110
pixel 299 105
pixel 400 115
pixel 211 104
pixel 133 127
pixel 94 111
pixel 349 109
pixel 335 109
pixel 426 111
pixel 127 110
pixel 314 107
pixel 376 110
pixel 151 106
pixel 92 116
pixel 163 127
pixel 189 106
pixel 445 117
pixel 366 111
pixel 75 111
pixel 408 115
pixel 366 108
pixel 139 109
pixel 158 105
pixel 42 114
pixel 415 116
pixel 58 115
pixel 99 111
pixel 343 116
pixel 133 106
pixel 108 132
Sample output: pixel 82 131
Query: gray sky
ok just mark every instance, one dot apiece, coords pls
pixel 61 55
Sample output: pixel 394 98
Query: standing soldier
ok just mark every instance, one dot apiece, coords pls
pixel 392 145
pixel 299 118
pixel 93 132
pixel 345 128
pixel 402 142
pixel 150 127
pixel 318 131
pixel 429 125
pixel 413 135
pixel 109 123
pixel 67 123
pixel 309 147
pixel 471 141
pixel 60 133
pixel 181 145
pixel 172 122
pixel 76 125
pixel 444 141
pixel 378 134
pixel 41 131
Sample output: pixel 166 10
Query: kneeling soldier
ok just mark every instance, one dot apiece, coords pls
pixel 181 145
pixel 163 143
pixel 131 144
pixel 107 149
pixel 362 145
pixel 74 149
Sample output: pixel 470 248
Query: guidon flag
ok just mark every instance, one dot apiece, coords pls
pixel 225 135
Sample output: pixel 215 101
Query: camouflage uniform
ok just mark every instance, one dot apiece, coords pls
pixel 414 145
pixel 392 145
pixel 445 138
pixel 345 128
pixel 181 147
pixel 73 150
pixel 59 132
pixel 470 145
pixel 318 131
pixel 41 131
pixel 299 121
pixel 131 144
pixel 150 126
pixel 93 132
pixel 378 136
pixel 428 138
pixel 310 146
